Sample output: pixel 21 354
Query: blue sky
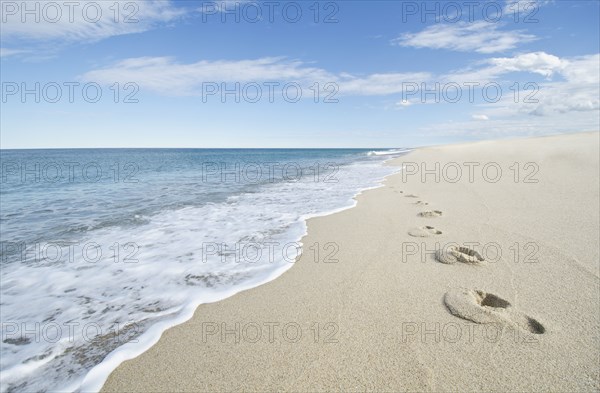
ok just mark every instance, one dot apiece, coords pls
pixel 371 58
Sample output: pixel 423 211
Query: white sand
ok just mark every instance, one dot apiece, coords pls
pixel 394 315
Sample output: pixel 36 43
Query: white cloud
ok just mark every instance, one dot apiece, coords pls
pixel 566 105
pixel 86 21
pixel 379 84
pixel 6 52
pixel 578 91
pixel 164 75
pixel 491 69
pixel 537 62
pixel 583 69
pixel 524 9
pixel 480 36
pixel 574 90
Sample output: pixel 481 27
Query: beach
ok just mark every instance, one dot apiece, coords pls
pixel 380 301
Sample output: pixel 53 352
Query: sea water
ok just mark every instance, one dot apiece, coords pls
pixel 104 249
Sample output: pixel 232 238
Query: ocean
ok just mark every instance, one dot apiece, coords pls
pixel 104 249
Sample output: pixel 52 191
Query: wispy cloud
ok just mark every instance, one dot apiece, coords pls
pixel 480 36
pixel 579 91
pixel 6 52
pixel 571 102
pixel 68 22
pixel 164 75
pixel 491 69
pixel 379 84
pixel 403 104
pixel 524 8
pixel 572 84
pixel 574 90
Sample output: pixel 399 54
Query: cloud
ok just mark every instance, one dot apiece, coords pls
pixel 524 9
pixel 379 84
pixel 583 69
pixel 6 52
pixel 83 21
pixel 488 70
pixel 574 88
pixel 537 62
pixel 164 75
pixel 480 36
pixel 577 91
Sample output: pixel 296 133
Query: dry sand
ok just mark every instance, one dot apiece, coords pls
pixel 393 318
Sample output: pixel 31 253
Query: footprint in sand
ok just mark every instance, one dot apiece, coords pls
pixel 426 231
pixel 421 203
pixel 399 192
pixel 431 214
pixel 452 254
pixel 481 307
pixel 411 196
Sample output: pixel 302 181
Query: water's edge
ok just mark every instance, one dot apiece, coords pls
pixel 99 374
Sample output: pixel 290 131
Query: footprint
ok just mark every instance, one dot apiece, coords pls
pixel 452 254
pixel 411 196
pixel 425 231
pixel 481 307
pixel 421 203
pixel 431 214
pixel 399 192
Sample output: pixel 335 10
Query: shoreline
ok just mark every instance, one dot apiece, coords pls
pixel 99 374
pixel 375 297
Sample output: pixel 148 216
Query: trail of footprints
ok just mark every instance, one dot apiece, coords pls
pixel 472 304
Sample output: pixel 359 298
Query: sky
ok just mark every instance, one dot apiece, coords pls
pixel 202 74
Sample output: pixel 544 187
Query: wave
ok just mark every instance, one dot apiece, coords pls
pixel 388 152
pixel 166 266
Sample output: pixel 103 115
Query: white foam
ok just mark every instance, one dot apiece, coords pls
pixel 391 152
pixel 172 277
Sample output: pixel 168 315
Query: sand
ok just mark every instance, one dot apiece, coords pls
pixel 390 316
